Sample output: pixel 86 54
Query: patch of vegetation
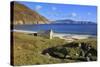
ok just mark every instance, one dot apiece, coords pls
pixel 78 50
pixel 28 49
pixel 24 15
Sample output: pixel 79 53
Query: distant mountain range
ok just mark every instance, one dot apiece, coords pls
pixel 68 21
pixel 20 14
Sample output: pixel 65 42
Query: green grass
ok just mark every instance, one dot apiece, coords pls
pixel 28 49
pixel 90 41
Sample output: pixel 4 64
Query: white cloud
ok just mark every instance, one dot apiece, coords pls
pixel 54 8
pixel 73 14
pixel 38 7
pixel 89 13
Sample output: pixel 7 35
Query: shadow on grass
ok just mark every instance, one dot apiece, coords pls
pixel 64 52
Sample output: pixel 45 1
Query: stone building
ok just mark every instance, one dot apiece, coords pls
pixel 47 34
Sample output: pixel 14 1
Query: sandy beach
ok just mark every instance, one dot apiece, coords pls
pixel 68 37
pixel 23 31
pixel 72 37
pixel 75 36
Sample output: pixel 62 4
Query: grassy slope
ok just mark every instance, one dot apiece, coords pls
pixel 27 49
pixel 22 13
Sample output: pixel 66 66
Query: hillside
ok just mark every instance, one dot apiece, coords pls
pixel 20 14
pixel 31 50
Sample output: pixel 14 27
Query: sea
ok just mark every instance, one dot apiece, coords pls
pixel 88 29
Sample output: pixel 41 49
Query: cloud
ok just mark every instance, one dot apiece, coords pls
pixel 38 7
pixel 73 14
pixel 54 8
pixel 89 13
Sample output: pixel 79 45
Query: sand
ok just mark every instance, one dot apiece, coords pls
pixel 68 37
pixel 72 37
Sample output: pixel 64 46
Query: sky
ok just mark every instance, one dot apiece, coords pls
pixel 64 11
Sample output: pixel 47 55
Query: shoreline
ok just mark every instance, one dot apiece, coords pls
pixel 66 36
pixel 23 31
pixel 72 37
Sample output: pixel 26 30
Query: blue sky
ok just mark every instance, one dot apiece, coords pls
pixel 64 11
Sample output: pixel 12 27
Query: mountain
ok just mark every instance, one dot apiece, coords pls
pixel 68 21
pixel 20 14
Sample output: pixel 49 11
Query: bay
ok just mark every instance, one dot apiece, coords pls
pixel 90 29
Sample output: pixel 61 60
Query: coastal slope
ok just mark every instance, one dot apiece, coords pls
pixel 21 14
